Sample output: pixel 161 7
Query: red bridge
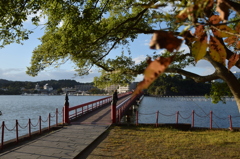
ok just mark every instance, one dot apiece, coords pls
pixel 84 122
pixel 117 111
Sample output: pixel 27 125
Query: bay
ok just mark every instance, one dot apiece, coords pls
pixel 23 108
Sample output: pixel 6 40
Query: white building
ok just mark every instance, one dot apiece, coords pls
pixel 130 87
pixel 37 87
pixel 47 87
pixel 111 88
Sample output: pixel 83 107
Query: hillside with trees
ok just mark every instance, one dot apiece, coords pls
pixel 18 87
pixel 175 85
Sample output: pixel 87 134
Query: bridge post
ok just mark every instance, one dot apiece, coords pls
pixel 113 112
pixel 113 107
pixel 66 112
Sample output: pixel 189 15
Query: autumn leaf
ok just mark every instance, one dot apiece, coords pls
pixel 200 31
pixel 238 45
pixel 232 60
pixel 215 19
pixel 223 9
pixel 231 40
pixel 151 73
pixel 199 48
pixel 223 31
pixel 164 39
pixel 238 27
pixel 217 50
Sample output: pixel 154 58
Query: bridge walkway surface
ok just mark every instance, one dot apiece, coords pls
pixel 68 142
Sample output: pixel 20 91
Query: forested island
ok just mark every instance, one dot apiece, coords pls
pixel 19 87
pixel 175 85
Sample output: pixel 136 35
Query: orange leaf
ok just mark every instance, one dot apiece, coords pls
pixel 223 9
pixel 238 45
pixel 238 27
pixel 231 40
pixel 151 73
pixel 200 31
pixel 215 19
pixel 217 50
pixel 232 60
pixel 199 48
pixel 167 40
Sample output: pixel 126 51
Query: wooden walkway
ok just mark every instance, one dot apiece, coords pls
pixel 68 142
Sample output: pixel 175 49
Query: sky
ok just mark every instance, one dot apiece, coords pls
pixel 15 58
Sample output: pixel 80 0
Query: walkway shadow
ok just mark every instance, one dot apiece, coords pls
pixel 85 153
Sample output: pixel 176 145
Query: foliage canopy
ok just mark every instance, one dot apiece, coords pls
pixel 86 31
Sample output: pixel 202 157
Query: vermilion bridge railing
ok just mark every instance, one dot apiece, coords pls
pixel 38 127
pixel 190 116
pixel 121 109
pixel 76 111
pixel 30 126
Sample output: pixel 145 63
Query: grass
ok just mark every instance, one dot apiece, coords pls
pixel 129 142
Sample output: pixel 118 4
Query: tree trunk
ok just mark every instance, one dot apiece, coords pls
pixel 232 83
pixel 229 78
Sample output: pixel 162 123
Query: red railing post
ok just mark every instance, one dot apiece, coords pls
pixel 157 118
pixel 56 116
pixel 40 125
pixel 113 106
pixel 29 127
pixel 177 117
pixel 192 118
pixel 2 140
pixel 63 115
pixel 230 120
pixel 137 118
pixel 49 121
pixel 113 112
pixel 211 119
pixel 17 131
pixel 66 111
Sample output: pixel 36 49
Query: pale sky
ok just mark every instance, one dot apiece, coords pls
pixel 15 58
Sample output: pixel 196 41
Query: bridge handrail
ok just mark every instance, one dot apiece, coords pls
pixel 89 106
pixel 85 104
pixel 109 97
pixel 122 107
pixel 122 104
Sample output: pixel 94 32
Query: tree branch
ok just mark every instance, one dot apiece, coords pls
pixel 197 78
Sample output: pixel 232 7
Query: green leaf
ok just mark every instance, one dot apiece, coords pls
pixel 199 49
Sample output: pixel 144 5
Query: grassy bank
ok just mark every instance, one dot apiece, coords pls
pixel 147 142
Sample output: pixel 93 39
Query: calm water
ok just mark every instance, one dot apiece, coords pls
pixel 23 108
pixel 202 107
